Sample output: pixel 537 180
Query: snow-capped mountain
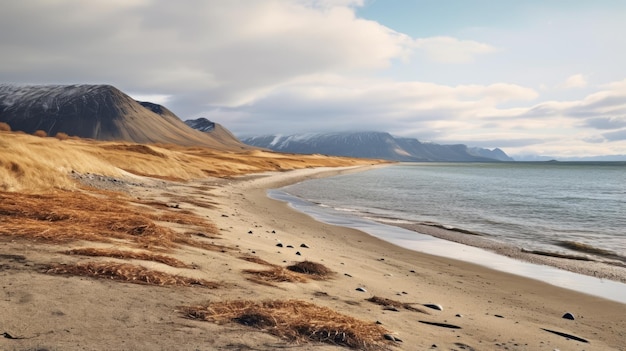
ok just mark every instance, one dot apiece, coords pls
pixel 100 112
pixel 379 145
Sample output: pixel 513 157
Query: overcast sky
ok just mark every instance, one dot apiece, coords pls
pixel 544 77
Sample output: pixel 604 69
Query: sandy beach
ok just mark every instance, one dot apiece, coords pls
pixel 481 309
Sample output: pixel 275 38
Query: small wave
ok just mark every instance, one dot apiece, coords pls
pixel 558 255
pixel 451 228
pixel 343 209
pixel 590 249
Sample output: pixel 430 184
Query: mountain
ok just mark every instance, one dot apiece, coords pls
pixel 101 112
pixel 374 145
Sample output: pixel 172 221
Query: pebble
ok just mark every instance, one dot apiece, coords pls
pixel 569 316
pixel 433 306
pixel 304 246
pixel 347 275
pixel 249 232
pixel 298 253
pixel 279 245
pixel 361 289
pixel 392 338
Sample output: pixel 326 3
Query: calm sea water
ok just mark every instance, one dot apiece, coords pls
pixel 556 207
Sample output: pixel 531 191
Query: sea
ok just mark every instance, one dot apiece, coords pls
pixel 563 208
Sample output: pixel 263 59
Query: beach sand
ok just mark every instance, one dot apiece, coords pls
pixel 492 310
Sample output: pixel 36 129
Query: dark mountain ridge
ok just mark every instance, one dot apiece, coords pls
pixel 379 145
pixel 101 112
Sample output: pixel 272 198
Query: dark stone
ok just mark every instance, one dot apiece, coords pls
pixel 569 316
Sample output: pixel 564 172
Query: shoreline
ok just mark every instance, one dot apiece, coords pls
pixel 577 262
pixel 472 249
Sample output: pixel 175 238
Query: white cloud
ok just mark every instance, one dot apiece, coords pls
pixel 452 50
pixel 574 81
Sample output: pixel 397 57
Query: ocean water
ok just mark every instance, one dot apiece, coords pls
pixel 562 207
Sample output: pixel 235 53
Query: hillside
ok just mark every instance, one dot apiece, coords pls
pixel 101 112
pixel 375 145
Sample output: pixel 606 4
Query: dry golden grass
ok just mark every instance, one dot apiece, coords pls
pixel 296 321
pixel 275 274
pixel 65 216
pixel 315 270
pixel 125 254
pixel 395 304
pixel 29 163
pixel 40 133
pixel 127 273
pixel 257 260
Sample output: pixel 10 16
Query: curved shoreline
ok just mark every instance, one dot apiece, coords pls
pixel 581 263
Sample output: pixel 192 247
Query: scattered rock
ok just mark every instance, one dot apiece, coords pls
pixel 361 289
pixel 412 271
pixel 273 232
pixel 279 245
pixel 433 306
pixel 443 325
pixel 290 246
pixel 498 315
pixel 224 215
pixel 569 316
pixel 565 335
pixel 458 315
pixel 304 246
pixel 379 322
pixel 347 275
pixel 392 338
pixel 298 253
pixel 249 232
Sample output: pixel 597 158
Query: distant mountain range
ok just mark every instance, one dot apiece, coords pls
pixel 379 145
pixel 102 112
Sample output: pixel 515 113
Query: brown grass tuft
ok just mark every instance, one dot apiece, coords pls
pixel 40 133
pixel 257 260
pixel 316 270
pixel 275 274
pixel 127 273
pixel 5 127
pixel 296 321
pixel 124 254
pixel 62 136
pixel 396 304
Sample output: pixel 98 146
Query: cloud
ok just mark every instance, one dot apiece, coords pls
pixel 606 122
pixel 616 135
pixel 452 50
pixel 575 81
pixel 233 51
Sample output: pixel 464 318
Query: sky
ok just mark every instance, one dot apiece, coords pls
pixel 532 77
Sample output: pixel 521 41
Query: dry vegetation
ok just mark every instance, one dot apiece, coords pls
pixel 125 254
pixel 67 216
pixel 296 273
pixel 296 321
pixel 33 164
pixel 127 273
pixel 316 270
pixel 389 303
